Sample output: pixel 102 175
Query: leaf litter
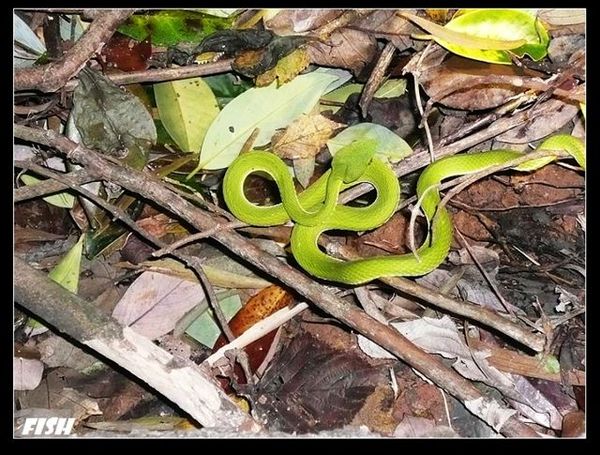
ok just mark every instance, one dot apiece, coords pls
pixel 294 88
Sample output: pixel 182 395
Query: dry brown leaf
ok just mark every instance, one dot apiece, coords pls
pixel 386 24
pixel 292 21
pixel 462 83
pixel 304 137
pixel 556 115
pixel 349 49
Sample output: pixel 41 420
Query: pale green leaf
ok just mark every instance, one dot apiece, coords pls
pixel 186 107
pixel 390 146
pixel 339 95
pixel 391 88
pixel 66 272
pixel 205 330
pixel 266 109
pixel 63 199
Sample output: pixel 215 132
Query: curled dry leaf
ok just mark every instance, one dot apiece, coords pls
pixel 466 84
pixel 304 137
pixel 260 306
pixel 348 48
pixel 291 21
pixel 556 114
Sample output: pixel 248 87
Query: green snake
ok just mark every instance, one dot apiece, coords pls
pixel 316 209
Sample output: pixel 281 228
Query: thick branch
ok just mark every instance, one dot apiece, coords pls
pixel 183 382
pixel 385 336
pixel 53 76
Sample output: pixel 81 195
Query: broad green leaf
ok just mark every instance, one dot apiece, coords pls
pixel 63 200
pixel 205 330
pixel 390 146
pixel 488 34
pixel 391 88
pixel 186 108
pixel 171 27
pixel 266 109
pixel 66 272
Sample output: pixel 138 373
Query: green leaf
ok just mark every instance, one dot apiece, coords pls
pixel 339 95
pixel 389 146
pixel 266 108
pixel 171 27
pixel 352 159
pixel 66 272
pixel 551 364
pixel 391 88
pixel 500 24
pixel 186 108
pixel 226 87
pixel 488 34
pixel 63 200
pixel 205 330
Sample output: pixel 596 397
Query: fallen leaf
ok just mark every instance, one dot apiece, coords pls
pixel 286 68
pixel 205 330
pixel 349 49
pixel 304 169
pixel 290 21
pixel 305 137
pixel 266 109
pixel 112 120
pixel 389 146
pixel 27 373
pixel 186 108
pixel 155 302
pixel 171 27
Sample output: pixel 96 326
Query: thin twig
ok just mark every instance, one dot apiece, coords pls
pixel 507 306
pixel 376 77
pixel 53 76
pixel 387 337
pixel 120 214
pixel 198 236
pixel 50 186
pixel 164 74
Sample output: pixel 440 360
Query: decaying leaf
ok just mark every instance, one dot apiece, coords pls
pixel 466 84
pixel 556 115
pixel 304 137
pixel 304 168
pixel 126 54
pixel 347 48
pixel 112 120
pixel 155 302
pixel 171 27
pixel 387 24
pixel 286 68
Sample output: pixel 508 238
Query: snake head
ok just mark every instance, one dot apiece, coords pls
pixel 351 161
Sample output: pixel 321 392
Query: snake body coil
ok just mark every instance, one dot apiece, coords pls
pixel 315 210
